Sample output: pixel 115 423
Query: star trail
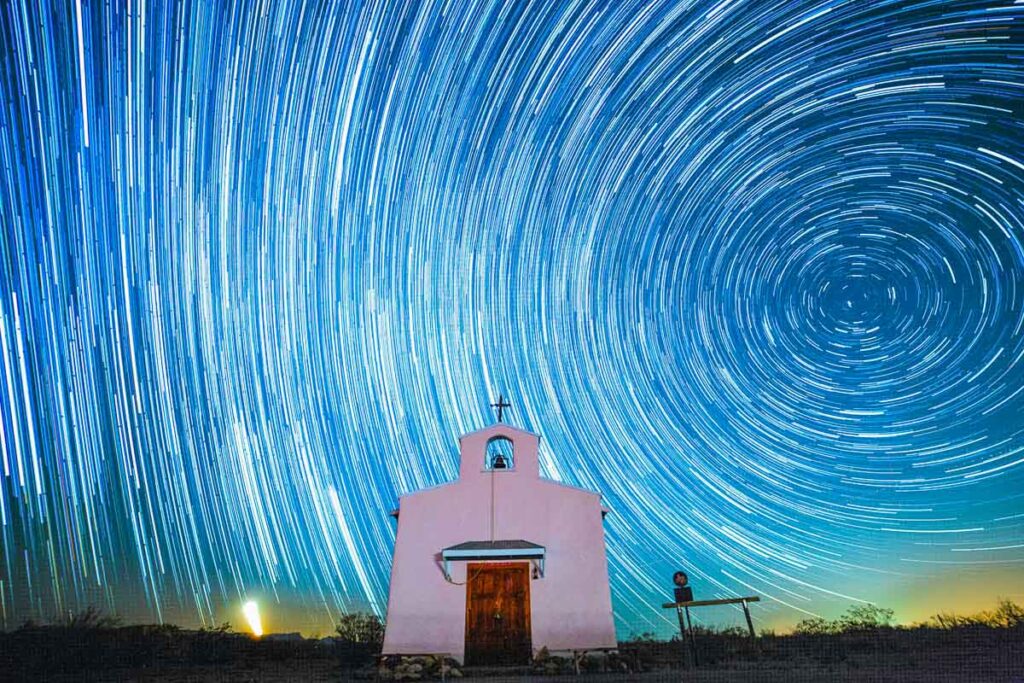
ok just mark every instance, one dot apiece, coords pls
pixel 753 270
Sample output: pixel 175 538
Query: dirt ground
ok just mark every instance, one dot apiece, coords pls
pixel 321 672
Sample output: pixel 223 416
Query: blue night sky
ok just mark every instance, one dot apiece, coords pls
pixel 753 270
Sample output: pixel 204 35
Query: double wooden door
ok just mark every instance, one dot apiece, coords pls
pixel 498 614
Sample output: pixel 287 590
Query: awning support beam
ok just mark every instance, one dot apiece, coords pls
pixel 449 555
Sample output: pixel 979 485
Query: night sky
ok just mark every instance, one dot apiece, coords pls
pixel 753 270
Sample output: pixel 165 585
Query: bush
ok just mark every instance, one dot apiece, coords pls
pixel 360 638
pixel 946 622
pixel 856 618
pixel 361 627
pixel 1007 615
pixel 815 626
pixel 864 618
pixel 91 618
pixel 212 645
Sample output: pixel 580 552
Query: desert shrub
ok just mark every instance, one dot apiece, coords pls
pixel 91 618
pixel 281 650
pixel 360 637
pixel 212 645
pixel 945 621
pixel 864 618
pixel 592 664
pixel 734 632
pixel 645 637
pixel 856 618
pixel 645 652
pixel 815 626
pixel 88 640
pixel 1007 614
pixel 361 627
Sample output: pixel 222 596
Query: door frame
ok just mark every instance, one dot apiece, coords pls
pixel 484 566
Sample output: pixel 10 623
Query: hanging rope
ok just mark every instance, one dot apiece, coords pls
pixel 468 578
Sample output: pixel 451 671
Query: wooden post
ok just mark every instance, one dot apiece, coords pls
pixel 693 640
pixel 686 628
pixel 746 613
pixel 683 635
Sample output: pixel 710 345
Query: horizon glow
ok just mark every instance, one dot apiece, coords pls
pixel 251 610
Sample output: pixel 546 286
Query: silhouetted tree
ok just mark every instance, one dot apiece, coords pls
pixel 865 618
pixel 361 627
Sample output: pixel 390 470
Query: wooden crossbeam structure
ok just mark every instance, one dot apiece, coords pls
pixel 686 627
pixel 701 603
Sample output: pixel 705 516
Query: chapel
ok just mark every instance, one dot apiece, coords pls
pixel 500 563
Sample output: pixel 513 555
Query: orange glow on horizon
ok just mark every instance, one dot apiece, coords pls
pixel 252 615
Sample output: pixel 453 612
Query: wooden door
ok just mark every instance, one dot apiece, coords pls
pixel 498 614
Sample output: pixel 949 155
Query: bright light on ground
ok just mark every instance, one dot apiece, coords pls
pixel 252 615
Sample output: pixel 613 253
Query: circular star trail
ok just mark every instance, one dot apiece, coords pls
pixel 755 271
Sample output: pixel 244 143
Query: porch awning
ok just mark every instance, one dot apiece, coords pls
pixel 493 550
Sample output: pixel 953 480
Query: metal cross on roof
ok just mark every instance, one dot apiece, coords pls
pixel 501 405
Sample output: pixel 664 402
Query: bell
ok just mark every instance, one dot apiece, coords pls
pixel 499 462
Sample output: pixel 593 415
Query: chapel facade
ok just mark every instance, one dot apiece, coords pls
pixel 500 563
